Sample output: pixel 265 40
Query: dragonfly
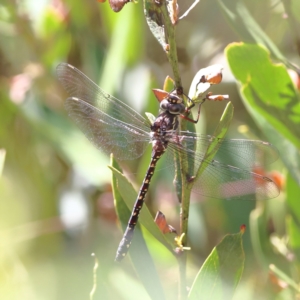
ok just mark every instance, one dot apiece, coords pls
pixel 114 127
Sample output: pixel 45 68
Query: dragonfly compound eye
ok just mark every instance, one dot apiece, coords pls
pixel 173 108
pixel 176 109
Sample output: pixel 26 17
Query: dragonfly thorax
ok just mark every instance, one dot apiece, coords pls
pixel 164 123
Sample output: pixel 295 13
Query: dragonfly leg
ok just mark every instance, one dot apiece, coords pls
pixel 187 111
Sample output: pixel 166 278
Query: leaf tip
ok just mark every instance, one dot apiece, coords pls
pixel 242 228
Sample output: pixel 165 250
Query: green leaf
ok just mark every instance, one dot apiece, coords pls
pixel 270 97
pixel 150 117
pixel 295 6
pixel 2 159
pixel 293 220
pixel 68 141
pixel 267 88
pixel 292 197
pixel 221 271
pixel 129 196
pixel 246 27
pixel 124 48
pixel 293 231
pixel 259 235
pixel 140 256
pixel 169 84
pixel 53 28
pixel 154 18
pixel 225 121
pixel 219 133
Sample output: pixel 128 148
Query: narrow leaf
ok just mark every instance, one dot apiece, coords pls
pixel 2 159
pixel 124 47
pixel 292 196
pixel 154 18
pixel 293 220
pixel 128 197
pixel 219 133
pixel 138 251
pixel 169 84
pixel 280 274
pixel 293 231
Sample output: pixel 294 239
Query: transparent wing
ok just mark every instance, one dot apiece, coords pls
pixel 231 173
pixel 226 182
pixel 80 86
pixel 124 140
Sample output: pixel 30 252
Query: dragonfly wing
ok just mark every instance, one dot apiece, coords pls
pixel 107 133
pixel 78 85
pixel 226 182
pixel 245 154
pixel 230 173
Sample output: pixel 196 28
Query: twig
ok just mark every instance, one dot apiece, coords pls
pixel 159 19
pixel 188 11
pixel 96 264
pixel 172 49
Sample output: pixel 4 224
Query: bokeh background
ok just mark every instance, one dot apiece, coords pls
pixel 56 204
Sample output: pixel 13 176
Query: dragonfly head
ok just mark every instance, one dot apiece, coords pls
pixel 173 104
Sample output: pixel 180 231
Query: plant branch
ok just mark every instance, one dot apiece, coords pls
pixel 171 49
pixel 162 20
pixel 294 25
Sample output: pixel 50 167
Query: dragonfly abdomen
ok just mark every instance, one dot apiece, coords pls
pixel 128 235
pixel 160 127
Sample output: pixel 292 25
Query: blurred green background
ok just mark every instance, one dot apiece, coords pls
pixel 56 205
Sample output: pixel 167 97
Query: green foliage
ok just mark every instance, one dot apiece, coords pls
pixel 121 186
pixel 246 27
pixel 273 101
pixel 2 159
pixel 123 36
pixel 270 97
pixel 221 271
pixel 220 133
pixel 293 218
pixel 267 88
pixel 55 196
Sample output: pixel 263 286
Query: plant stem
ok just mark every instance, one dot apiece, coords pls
pixel 172 51
pixel 181 163
pixel 294 24
pixel 159 21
